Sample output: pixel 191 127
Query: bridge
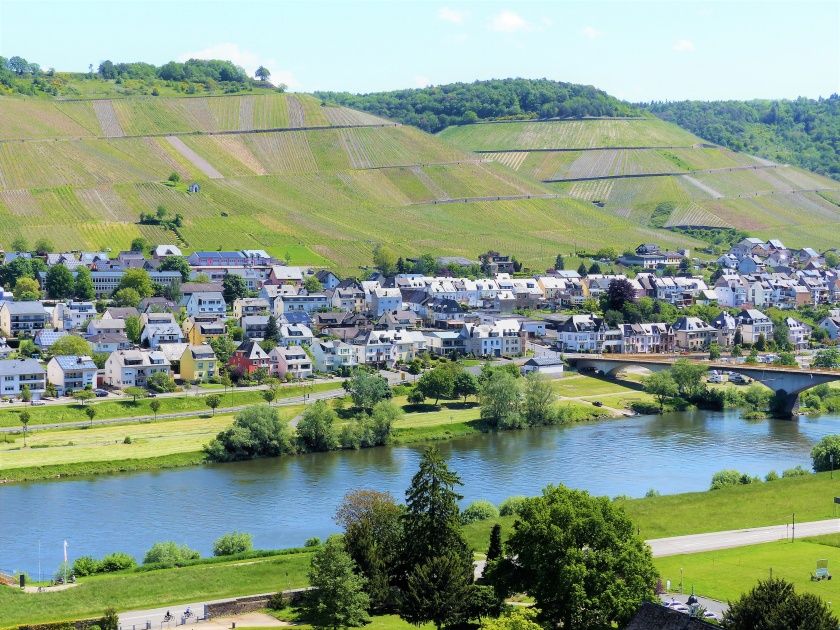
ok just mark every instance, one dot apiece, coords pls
pixel 786 382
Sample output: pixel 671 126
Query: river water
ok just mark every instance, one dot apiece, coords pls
pixel 282 502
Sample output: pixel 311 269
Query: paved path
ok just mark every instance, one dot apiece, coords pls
pixel 695 543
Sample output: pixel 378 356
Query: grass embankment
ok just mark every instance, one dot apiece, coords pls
pixel 126 408
pixel 152 589
pixel 377 622
pixel 726 574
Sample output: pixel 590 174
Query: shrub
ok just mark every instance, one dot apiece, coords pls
pixel 480 510
pixel 652 493
pixel 277 602
pixel 85 565
pixel 257 431
pixel 771 476
pixel 416 397
pixel 644 408
pixel 170 553
pixel 127 439
pixel 725 478
pixel 312 542
pixel 798 471
pixel 826 451
pixel 117 561
pixel 511 505
pixel 233 543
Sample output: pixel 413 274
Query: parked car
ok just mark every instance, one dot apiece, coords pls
pixel 38 403
pixel 739 379
pixel 715 378
pixel 597 403
pixel 100 393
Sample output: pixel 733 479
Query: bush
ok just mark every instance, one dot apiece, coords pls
pixel 826 451
pixel 771 476
pixel 170 553
pixel 644 408
pixel 416 397
pixel 127 439
pixel 651 493
pixel 511 505
pixel 85 565
pixel 277 602
pixel 312 542
pixel 233 543
pixel 117 561
pixel 257 431
pixel 480 510
pixel 798 471
pixel 725 478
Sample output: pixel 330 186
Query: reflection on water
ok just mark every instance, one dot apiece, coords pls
pixel 284 501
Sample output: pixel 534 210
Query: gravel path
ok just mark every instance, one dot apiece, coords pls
pixel 199 162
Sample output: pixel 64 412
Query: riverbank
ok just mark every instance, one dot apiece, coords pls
pixel 62 453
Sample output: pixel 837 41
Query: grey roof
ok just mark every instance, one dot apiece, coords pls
pixel 657 617
pixel 75 362
pixel 9 367
pixel 46 338
pixel 24 308
pixel 543 361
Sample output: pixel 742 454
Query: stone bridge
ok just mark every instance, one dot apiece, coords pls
pixel 786 382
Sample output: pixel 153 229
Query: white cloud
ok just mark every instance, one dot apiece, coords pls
pixel 452 15
pixel 508 22
pixel 247 59
pixel 422 81
pixel 684 45
pixel 590 32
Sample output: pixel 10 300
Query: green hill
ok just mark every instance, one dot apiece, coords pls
pixel 281 172
pixel 655 174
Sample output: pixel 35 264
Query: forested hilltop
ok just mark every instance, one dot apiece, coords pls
pixel 435 108
pixel 804 132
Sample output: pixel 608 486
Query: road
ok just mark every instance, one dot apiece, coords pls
pixel 695 543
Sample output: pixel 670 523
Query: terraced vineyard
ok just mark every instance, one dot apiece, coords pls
pixel 708 186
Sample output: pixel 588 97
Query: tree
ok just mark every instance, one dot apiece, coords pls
pixel 20 244
pixel 83 285
pixel 137 279
pixel 714 351
pixel 154 405
pixel 82 396
pixel 233 543
pixel 594 269
pixel 661 385
pixel 437 383
pixel 384 259
pixel 176 263
pixel 71 345
pixel 738 338
pixel 761 343
pixel 373 532
pixel 135 393
pixel 559 263
pixel 213 401
pixel 367 389
pixel 465 385
pixel 832 260
pixel 316 429
pixel 538 400
pixel 26 290
pixel 337 599
pixel 257 431
pixel 825 455
pixel 312 285
pixel 59 282
pixel 24 421
pixel 25 394
pixel 126 297
pixel 233 287
pixel 161 382
pixel 269 395
pixel 223 347
pixel 494 549
pixel 43 247
pixel 174 177
pixel 437 591
pixel 500 400
pixel 133 328
pixel 688 376
pixel 580 559
pixel 774 603
pixel 90 412
pixel 518 618
pixel 262 73
pixel 828 358
pixel 581 270
pixel 272 332
pixel 169 553
pixel 139 244
pixel 619 293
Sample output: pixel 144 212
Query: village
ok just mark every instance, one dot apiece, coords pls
pixel 240 317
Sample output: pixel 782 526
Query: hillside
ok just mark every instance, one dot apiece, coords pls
pixel 279 172
pixel 804 132
pixel 656 174
pixel 435 108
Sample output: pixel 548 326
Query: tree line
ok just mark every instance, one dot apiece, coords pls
pixel 437 107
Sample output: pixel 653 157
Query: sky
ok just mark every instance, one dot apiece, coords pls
pixel 637 51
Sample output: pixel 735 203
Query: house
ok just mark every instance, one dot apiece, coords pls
pixel 107 343
pixel 248 358
pixel 22 319
pixel 285 274
pixel 162 251
pixel 692 333
pixel 132 368
pixel 726 325
pixel 798 333
pixel 308 303
pixel 444 342
pixel 550 366
pixel 72 315
pixel 202 331
pixel 582 333
pixel 157 318
pixel 71 373
pixel 393 320
pixel 652 616
pixel 254 326
pixel 250 306
pixel 15 374
pixel 216 259
pixel 831 325
pixel 754 324
pixel 327 279
pixel 120 312
pixel 350 299
pixel 383 300
pixel 493 263
pixel 650 256
pixel 294 335
pixel 290 362
pixel 198 363
pixel 46 337
pixel 157 305
pixel 97 326
pixel 501 338
pixel 153 335
pixel 194 188
pixel 651 338
pixel 333 356
pixel 206 303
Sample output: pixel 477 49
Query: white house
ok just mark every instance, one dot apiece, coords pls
pixel 331 356
pixel 206 303
pixel 501 338
pixel 132 368
pixel 154 335
pixel 15 374
pixel 831 325
pixel 582 333
pixel 798 333
pixel 384 300
pixel 71 373
pixel 550 366
pixel 72 315
pixel 294 335
pixel 753 324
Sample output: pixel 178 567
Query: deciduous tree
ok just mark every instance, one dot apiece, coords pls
pixel 337 599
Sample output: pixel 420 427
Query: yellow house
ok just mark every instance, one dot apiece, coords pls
pixel 202 331
pixel 198 363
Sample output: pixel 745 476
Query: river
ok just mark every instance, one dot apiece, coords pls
pixel 282 502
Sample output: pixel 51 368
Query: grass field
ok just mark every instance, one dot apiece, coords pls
pixel 152 589
pixel 726 574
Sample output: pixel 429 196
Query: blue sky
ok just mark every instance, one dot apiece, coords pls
pixel 634 50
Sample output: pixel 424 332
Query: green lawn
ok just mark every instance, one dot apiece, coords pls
pixel 125 408
pixel 377 622
pixel 574 385
pixel 726 574
pixel 152 589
